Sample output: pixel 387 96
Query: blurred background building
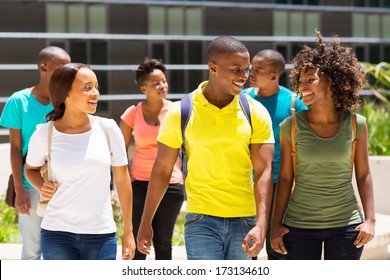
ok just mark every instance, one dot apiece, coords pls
pixel 114 36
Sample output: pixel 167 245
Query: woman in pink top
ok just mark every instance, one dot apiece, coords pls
pixel 143 122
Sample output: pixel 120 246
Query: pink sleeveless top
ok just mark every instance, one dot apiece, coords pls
pixel 145 138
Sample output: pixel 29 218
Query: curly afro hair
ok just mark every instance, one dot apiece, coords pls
pixel 338 64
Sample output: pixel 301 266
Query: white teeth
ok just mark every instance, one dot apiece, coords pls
pixel 239 85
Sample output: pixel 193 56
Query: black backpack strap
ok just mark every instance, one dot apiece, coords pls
pixel 185 112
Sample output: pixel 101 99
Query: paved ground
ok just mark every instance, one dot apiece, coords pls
pixel 13 252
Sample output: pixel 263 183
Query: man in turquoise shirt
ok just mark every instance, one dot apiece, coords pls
pixel 267 68
pixel 21 114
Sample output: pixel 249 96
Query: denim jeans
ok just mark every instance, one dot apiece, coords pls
pixel 30 229
pixel 307 244
pixel 215 238
pixel 59 245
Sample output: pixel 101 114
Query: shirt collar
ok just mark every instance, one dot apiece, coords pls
pixel 201 100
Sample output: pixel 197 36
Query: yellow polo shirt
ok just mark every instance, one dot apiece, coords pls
pixel 219 180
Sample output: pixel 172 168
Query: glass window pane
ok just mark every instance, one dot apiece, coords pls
pixel 374 52
pixel 176 84
pixel 385 26
pixel 386 53
pixel 59 44
pixel 77 18
pixel 156 18
pixel 373 3
pixel 78 51
pixel 97 19
pixel 313 2
pixel 297 2
pixel 312 22
pixel 296 48
pixel 195 52
pixel 359 3
pixel 194 21
pixel 103 89
pixel 296 24
pixel 358 25
pixel 373 26
pixel 280 23
pixel 158 51
pixel 55 18
pixel 194 79
pixel 360 53
pixel 175 21
pixel 386 3
pixel 176 53
pixel 98 52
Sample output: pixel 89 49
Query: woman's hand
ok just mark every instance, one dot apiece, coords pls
pixel 277 233
pixel 366 233
pixel 48 190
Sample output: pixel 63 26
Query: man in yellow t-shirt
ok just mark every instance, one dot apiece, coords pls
pixel 227 210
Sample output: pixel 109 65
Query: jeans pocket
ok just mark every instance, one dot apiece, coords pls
pixel 192 218
pixel 250 222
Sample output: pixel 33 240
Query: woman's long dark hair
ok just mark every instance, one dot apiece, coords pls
pixel 60 84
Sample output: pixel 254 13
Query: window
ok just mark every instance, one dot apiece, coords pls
pixel 175 20
pixel 76 18
pixel 55 18
pixel 370 25
pixel 82 18
pixel 295 23
pixel 178 21
pixel 371 3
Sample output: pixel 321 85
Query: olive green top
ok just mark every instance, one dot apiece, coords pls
pixel 323 196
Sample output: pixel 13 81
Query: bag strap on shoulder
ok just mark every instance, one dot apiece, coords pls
pixel 245 108
pixel 354 141
pixel 105 132
pixel 49 141
pixel 185 112
pixel 293 147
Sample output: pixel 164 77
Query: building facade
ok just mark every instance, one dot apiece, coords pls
pixel 114 36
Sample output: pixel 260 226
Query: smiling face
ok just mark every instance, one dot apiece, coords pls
pixel 84 94
pixel 313 86
pixel 262 73
pixel 230 72
pixel 155 85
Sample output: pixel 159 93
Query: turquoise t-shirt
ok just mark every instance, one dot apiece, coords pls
pixel 279 108
pixel 23 111
pixel 323 196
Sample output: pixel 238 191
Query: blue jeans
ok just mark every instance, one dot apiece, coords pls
pixel 307 244
pixel 59 245
pixel 215 238
pixel 30 229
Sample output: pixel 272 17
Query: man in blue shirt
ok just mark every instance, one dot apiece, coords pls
pixel 21 114
pixel 267 68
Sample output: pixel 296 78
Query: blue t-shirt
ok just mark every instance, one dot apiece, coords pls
pixel 279 108
pixel 23 111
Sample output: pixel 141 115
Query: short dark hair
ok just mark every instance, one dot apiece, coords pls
pixel 274 58
pixel 147 67
pixel 338 64
pixel 60 84
pixel 51 52
pixel 224 45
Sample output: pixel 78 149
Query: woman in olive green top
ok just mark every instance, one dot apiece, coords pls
pixel 321 211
